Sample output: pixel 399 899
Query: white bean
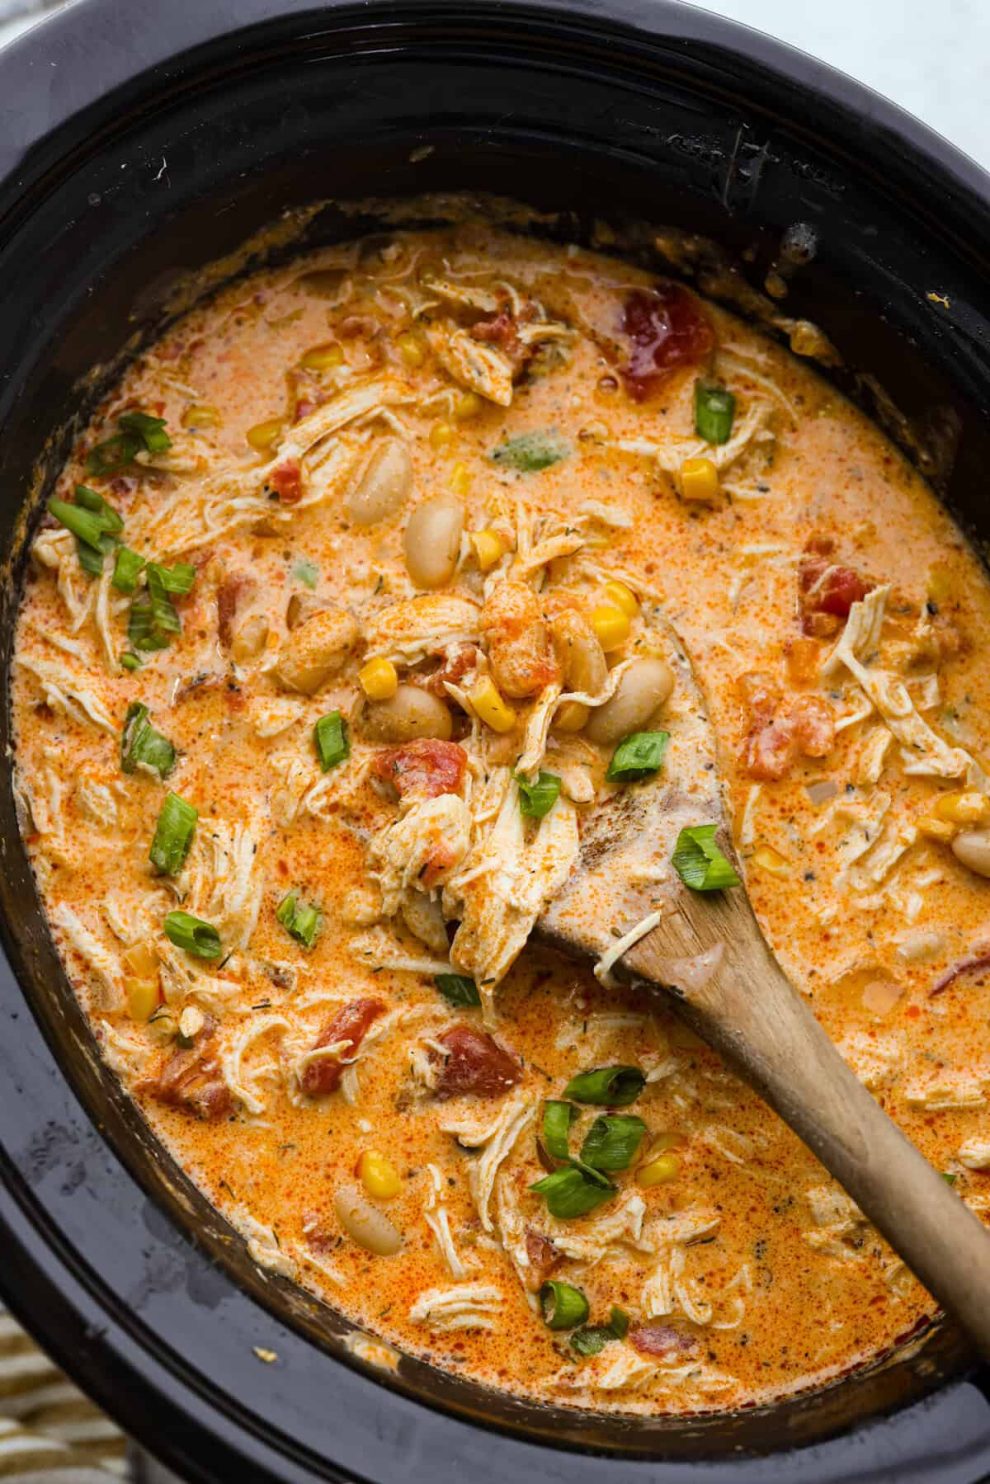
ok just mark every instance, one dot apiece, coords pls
pixel 316 650
pixel 384 486
pixel 410 713
pixel 364 1223
pixel 642 690
pixel 580 654
pixel 972 847
pixel 432 540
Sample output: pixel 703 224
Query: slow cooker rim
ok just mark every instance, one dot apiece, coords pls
pixel 19 68
pixel 56 47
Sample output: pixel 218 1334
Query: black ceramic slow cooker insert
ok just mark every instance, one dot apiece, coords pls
pixel 140 141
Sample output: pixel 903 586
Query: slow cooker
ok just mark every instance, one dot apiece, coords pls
pixel 141 142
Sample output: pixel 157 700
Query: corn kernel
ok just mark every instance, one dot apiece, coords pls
pixel 468 405
pixel 378 1175
pixel 379 680
pixel 323 357
pixel 772 861
pixel 935 829
pixel 963 807
pixel 460 479
pixel 200 416
pixel 490 707
pixel 699 480
pixel 659 1171
pixel 617 595
pixel 611 625
pixel 939 584
pixel 441 434
pixel 142 960
pixel 570 717
pixel 488 547
pixel 263 435
pixel 411 349
pixel 142 998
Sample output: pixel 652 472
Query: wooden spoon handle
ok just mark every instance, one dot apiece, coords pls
pixel 750 1012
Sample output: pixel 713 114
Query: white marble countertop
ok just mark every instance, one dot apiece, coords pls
pixel 934 60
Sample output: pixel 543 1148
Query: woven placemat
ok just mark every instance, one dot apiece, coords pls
pixel 48 1429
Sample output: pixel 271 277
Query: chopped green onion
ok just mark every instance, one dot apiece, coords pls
pixel 85 523
pixel 113 454
pixel 714 410
pixel 301 920
pixel 113 521
pixel 592 1338
pixel 563 1305
pixel 332 745
pixel 639 755
pixel 150 430
pixel 153 618
pixel 595 1177
pixel 141 746
pixel 173 835
pixel 458 989
pixel 619 1322
pixel 92 561
pixel 557 1119
pixel 611 1087
pixel 126 569
pixel 197 937
pixel 151 623
pixel 699 862
pixel 537 799
pixel 138 430
pixel 178 579
pixel 531 452
pixel 306 572
pixel 129 661
pixel 612 1141
pixel 950 1177
pixel 571 1192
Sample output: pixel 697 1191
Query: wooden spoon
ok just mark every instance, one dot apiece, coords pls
pixel 708 954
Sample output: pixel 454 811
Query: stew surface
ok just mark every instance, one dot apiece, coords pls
pixel 351 605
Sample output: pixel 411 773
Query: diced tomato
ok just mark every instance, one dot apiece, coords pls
pixel 459 660
pixel 666 329
pixel 661 1340
pixel 350 1023
pixel 769 751
pixel 191 1079
pixel 813 726
pixel 780 730
pixel 426 767
pixel 760 694
pixel 474 1062
pixel 544 1256
pixel 826 592
pixel 286 482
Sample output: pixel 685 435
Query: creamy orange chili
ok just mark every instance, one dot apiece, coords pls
pixel 351 605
